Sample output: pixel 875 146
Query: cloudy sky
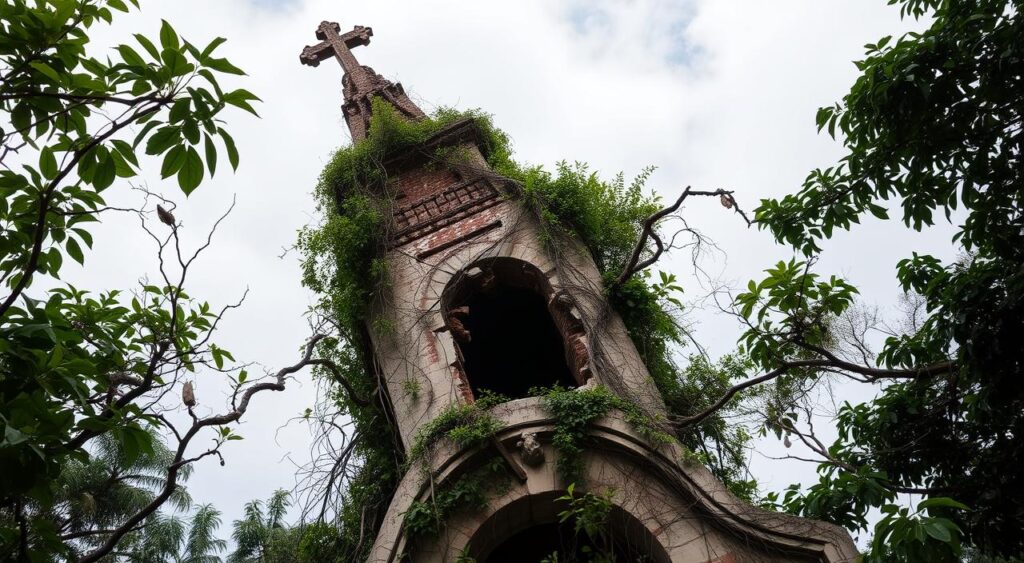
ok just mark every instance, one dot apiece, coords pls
pixel 715 93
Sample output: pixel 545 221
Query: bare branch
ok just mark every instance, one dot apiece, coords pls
pixel 353 396
pixel 830 362
pixel 649 231
pixel 181 461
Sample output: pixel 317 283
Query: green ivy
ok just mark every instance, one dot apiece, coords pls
pixel 465 425
pixel 471 491
pixel 343 264
pixel 575 410
pixel 588 513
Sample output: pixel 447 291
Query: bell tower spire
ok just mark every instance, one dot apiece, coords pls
pixel 480 304
pixel 360 83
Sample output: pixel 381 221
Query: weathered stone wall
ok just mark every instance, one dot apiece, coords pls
pixel 446 223
pixel 417 353
pixel 686 514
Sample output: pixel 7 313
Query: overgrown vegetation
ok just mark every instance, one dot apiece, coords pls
pixel 471 491
pixel 80 369
pixel 575 410
pixel 466 426
pixel 932 128
pixel 343 264
pixel 588 513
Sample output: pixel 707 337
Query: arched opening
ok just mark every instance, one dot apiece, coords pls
pixel 515 535
pixel 511 336
pixel 559 542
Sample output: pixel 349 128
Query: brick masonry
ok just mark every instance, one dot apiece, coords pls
pixel 443 205
pixel 438 207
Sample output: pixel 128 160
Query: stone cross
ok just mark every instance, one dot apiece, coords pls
pixel 333 42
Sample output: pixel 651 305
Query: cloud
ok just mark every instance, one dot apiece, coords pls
pixel 714 93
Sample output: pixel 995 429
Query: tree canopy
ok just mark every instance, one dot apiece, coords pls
pixel 81 371
pixel 933 132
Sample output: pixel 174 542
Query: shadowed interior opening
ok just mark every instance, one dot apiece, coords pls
pixel 528 529
pixel 513 343
pixel 556 542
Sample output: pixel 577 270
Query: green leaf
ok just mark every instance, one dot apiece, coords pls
pixel 13 436
pixel 55 261
pixel 47 163
pixel 163 139
pixel 938 531
pixel 179 110
pixel 74 251
pixel 229 144
pixel 84 235
pixel 121 167
pixel 190 129
pixel 126 151
pixel 176 62
pixel 240 98
pixel 223 65
pixel 173 161
pixel 106 171
pixel 130 56
pixel 46 70
pixel 148 46
pixel 168 38
pixel 191 173
pixel 209 48
pixel 936 502
pixel 211 155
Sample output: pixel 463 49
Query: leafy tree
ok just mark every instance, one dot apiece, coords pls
pixel 201 545
pixel 95 495
pixel 932 129
pixel 164 539
pixel 262 535
pixel 161 540
pixel 80 370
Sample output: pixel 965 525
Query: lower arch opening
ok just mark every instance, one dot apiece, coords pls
pixel 529 530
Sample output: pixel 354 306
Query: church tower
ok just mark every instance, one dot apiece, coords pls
pixel 479 300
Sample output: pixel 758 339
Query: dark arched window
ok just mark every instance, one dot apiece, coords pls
pixel 560 542
pixel 501 316
pixel 536 532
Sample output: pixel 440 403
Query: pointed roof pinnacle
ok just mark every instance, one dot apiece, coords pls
pixel 360 83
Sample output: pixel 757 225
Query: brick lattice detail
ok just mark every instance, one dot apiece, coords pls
pixel 435 212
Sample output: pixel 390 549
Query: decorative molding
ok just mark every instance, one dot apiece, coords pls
pixel 435 212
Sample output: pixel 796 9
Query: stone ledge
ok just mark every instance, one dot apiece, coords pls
pixel 697 488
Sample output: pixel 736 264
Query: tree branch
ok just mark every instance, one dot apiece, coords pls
pixel 833 362
pixel 352 395
pixel 649 231
pixel 181 461
pixel 39 234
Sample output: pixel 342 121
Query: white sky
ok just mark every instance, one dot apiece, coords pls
pixel 715 93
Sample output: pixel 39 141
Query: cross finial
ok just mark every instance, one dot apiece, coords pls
pixel 361 84
pixel 333 42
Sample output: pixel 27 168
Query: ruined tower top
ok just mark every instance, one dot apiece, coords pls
pixel 360 83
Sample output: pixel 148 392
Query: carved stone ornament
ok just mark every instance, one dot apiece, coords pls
pixel 529 449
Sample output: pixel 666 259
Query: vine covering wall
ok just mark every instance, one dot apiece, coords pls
pixel 344 264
